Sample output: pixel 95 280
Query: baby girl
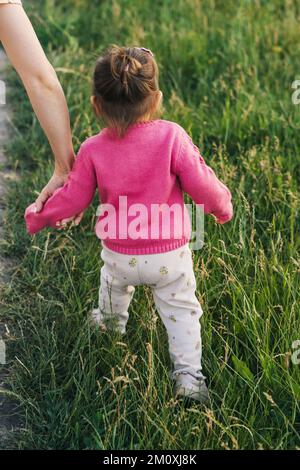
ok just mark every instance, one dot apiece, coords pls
pixel 142 166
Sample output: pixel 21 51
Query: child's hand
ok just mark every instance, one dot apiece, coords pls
pixel 62 224
pixel 224 219
pixel 220 221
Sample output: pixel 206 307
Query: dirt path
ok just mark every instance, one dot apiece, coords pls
pixel 8 419
pixel 3 137
pixel 5 173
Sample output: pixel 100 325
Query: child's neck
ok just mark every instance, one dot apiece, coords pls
pixel 144 118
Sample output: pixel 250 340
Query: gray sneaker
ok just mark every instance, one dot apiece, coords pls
pixel 108 323
pixel 96 319
pixel 188 386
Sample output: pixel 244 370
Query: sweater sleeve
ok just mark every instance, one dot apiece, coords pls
pixel 67 201
pixel 199 181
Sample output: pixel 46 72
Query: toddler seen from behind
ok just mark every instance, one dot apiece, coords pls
pixel 142 166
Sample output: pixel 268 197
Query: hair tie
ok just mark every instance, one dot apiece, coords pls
pixel 146 50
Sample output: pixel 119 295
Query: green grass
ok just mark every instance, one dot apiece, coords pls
pixel 226 74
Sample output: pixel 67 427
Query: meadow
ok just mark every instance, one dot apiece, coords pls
pixel 226 70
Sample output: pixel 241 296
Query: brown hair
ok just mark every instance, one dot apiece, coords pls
pixel 125 86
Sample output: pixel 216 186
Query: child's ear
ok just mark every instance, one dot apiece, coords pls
pixel 159 99
pixel 95 104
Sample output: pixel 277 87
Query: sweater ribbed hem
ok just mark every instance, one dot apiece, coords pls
pixel 145 250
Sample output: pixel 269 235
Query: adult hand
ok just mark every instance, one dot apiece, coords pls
pixel 56 181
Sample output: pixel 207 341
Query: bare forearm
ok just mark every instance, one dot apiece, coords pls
pixel 39 78
pixel 49 104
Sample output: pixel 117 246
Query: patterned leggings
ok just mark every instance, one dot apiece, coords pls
pixel 171 278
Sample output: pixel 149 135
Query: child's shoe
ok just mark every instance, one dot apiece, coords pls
pixel 97 319
pixel 105 324
pixel 188 386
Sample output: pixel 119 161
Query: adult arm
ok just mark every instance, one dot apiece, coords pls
pixel 43 88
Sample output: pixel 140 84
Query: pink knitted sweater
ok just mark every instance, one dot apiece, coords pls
pixel 140 178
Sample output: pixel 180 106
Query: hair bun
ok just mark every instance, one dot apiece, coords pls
pixel 123 65
pixel 132 65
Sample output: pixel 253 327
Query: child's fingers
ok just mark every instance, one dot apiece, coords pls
pixel 219 220
pixel 66 221
pixel 61 224
pixel 78 218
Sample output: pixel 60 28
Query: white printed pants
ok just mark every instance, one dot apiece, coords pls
pixel 171 278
